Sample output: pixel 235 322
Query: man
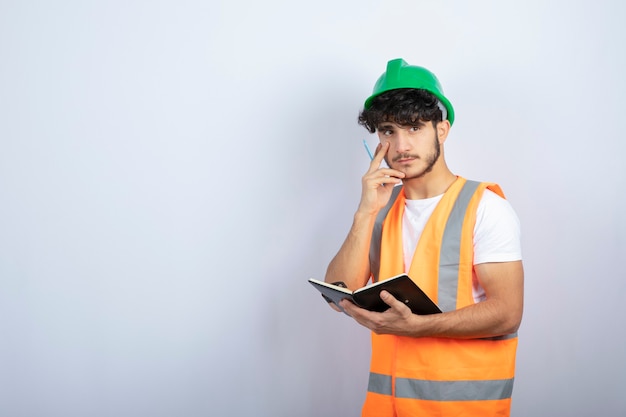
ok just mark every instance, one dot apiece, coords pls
pixel 457 239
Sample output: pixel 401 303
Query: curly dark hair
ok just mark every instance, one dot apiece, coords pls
pixel 403 106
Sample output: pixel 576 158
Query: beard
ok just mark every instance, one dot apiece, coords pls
pixel 430 160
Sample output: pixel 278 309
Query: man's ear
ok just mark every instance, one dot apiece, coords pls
pixel 443 128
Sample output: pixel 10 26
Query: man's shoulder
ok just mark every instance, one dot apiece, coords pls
pixel 497 230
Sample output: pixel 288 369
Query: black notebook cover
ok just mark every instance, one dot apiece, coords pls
pixel 400 286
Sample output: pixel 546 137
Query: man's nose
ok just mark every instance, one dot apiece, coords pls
pixel 403 142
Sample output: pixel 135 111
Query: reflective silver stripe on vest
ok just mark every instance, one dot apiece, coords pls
pixel 377 233
pixel 497 389
pixel 419 389
pixel 379 383
pixel 450 253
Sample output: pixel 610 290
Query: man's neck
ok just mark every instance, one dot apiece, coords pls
pixel 430 185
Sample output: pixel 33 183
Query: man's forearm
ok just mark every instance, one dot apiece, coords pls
pixel 351 264
pixel 499 314
pixel 486 319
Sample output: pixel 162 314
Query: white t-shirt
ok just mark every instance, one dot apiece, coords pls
pixel 496 233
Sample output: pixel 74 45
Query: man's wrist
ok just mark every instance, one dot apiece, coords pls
pixel 365 215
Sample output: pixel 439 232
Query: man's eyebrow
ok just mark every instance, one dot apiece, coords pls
pixel 389 125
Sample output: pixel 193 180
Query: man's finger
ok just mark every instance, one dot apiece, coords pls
pixel 335 307
pixel 381 151
pixel 390 300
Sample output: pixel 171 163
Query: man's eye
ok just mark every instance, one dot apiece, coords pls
pixel 387 132
pixel 415 128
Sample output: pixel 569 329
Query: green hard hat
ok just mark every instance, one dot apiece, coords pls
pixel 399 74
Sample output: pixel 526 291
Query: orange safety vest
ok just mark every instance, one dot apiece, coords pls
pixel 439 376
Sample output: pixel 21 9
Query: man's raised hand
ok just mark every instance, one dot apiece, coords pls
pixel 377 183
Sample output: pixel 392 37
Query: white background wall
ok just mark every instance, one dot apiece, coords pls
pixel 171 173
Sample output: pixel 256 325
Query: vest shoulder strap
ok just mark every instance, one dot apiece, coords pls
pixel 377 234
pixel 374 256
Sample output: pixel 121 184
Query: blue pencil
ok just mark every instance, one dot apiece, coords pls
pixel 367 148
